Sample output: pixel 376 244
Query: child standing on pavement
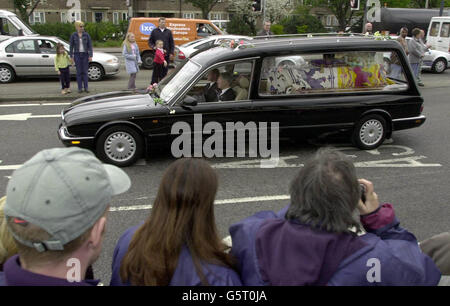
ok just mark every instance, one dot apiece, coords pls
pixel 62 66
pixel 132 58
pixel 158 62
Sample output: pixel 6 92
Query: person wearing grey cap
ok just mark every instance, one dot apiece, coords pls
pixel 56 209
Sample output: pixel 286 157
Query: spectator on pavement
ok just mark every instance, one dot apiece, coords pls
pixel 8 247
pixel 317 240
pixel 56 209
pixel 159 63
pixel 62 66
pixel 425 47
pixel 132 58
pixel 81 53
pixel 266 29
pixel 416 52
pixel 178 244
pixel 396 65
pixel 164 34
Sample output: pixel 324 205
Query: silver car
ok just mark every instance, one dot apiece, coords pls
pixel 184 51
pixel 34 56
pixel 434 60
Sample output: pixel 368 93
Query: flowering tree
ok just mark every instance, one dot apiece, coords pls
pixel 25 8
pixel 277 9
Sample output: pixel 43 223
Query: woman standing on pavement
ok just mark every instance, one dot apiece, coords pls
pixel 416 52
pixel 81 53
pixel 132 58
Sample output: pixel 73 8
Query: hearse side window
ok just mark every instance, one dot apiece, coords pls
pixel 331 72
pixel 241 74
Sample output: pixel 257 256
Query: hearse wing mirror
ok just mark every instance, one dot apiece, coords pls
pixel 20 32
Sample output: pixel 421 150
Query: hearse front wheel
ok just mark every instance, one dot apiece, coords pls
pixel 369 132
pixel 120 145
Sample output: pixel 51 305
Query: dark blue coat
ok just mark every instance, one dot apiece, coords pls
pixel 184 275
pixel 75 44
pixel 274 251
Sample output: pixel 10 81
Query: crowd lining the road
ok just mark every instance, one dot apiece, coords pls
pixel 333 232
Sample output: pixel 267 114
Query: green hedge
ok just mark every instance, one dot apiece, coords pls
pixel 101 31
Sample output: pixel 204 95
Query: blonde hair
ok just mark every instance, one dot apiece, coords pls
pixel 78 23
pixel 127 42
pixel 159 41
pixel 8 247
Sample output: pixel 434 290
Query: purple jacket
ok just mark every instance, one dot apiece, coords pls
pixel 184 275
pixel 274 251
pixel 14 275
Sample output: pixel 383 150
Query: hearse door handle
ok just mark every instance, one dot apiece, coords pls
pixel 44 55
pixel 9 55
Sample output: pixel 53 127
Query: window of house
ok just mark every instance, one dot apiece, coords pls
pixel 124 16
pixel 189 15
pixel 98 16
pixel 37 17
pixel 63 17
pixel 331 72
pixel 115 17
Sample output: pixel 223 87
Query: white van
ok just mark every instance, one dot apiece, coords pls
pixel 439 33
pixel 11 25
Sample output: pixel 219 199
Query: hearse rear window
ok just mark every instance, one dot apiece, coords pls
pixel 331 72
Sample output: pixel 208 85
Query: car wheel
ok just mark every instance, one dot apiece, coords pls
pixel 7 74
pixel 439 66
pixel 369 132
pixel 120 145
pixel 147 60
pixel 95 72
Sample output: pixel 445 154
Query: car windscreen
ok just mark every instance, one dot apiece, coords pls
pixel 26 29
pixel 172 84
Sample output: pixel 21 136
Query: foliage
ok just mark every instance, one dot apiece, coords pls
pixel 278 9
pixel 277 29
pixel 204 5
pixel 302 22
pixel 238 27
pixel 101 31
pixel 25 8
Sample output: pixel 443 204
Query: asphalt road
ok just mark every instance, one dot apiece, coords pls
pixel 411 172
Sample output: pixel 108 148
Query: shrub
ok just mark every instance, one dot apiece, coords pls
pixel 277 29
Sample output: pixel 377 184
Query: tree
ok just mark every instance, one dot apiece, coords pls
pixel 277 9
pixel 25 8
pixel 341 10
pixel 301 21
pixel 205 6
pixel 244 18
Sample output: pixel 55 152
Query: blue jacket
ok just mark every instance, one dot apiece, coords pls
pixel 75 44
pixel 2 279
pixel 184 275
pixel 274 251
pixel 131 60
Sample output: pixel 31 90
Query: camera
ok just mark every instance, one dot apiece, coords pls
pixel 363 188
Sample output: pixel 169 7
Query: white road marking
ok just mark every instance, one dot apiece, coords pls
pixel 407 162
pixel 217 202
pixel 33 104
pixel 25 116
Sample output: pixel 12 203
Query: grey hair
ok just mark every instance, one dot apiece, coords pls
pixel 325 193
pixel 226 76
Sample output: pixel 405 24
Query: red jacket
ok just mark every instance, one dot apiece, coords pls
pixel 159 57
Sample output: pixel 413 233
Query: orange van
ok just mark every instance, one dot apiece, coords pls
pixel 183 31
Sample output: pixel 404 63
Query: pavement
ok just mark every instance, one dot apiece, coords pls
pixel 47 89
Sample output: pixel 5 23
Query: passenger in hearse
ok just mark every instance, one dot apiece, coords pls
pixel 224 84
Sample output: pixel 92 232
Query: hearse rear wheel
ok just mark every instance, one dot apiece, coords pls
pixel 120 145
pixel 369 132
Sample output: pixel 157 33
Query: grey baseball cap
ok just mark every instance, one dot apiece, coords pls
pixel 63 191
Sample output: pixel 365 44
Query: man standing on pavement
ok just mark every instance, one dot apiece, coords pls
pixel 425 48
pixel 266 29
pixel 368 29
pixel 164 34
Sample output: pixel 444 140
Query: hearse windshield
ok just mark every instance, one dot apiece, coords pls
pixel 177 79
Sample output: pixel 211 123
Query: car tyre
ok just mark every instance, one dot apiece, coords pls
pixel 147 60
pixel 369 132
pixel 95 72
pixel 120 145
pixel 7 74
pixel 439 66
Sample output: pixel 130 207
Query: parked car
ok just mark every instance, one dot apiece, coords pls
pixel 186 50
pixel 340 85
pixel 434 60
pixel 32 56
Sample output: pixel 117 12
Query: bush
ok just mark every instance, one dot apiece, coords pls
pixel 299 24
pixel 277 29
pixel 238 26
pixel 101 31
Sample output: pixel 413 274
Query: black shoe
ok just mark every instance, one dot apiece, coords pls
pixel 87 91
pixel 80 91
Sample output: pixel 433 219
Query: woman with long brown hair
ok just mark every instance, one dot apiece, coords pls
pixel 178 244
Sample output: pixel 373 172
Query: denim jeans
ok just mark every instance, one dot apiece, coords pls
pixel 82 65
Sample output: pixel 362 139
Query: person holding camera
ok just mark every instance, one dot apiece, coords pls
pixel 317 240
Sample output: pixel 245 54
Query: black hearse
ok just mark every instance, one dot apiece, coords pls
pixel 309 85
